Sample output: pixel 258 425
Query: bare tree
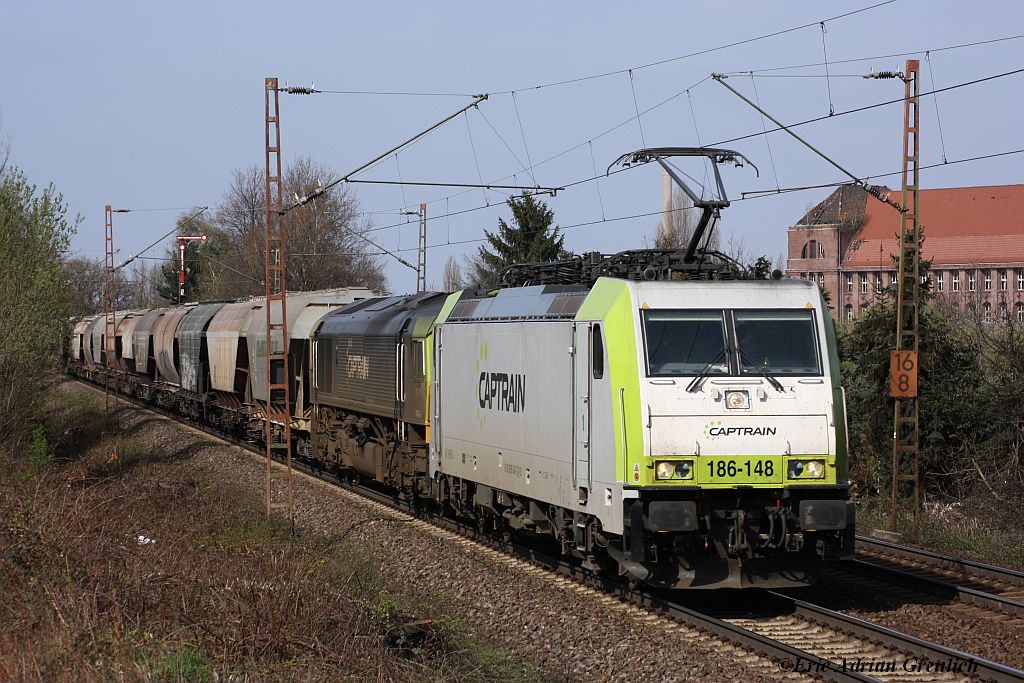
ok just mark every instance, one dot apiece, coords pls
pixel 737 249
pixel 5 152
pixel 325 238
pixel 452 275
pixel 145 280
pixel 84 279
pixel 675 231
pixel 241 216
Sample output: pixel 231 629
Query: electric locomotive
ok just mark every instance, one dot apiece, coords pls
pixel 685 434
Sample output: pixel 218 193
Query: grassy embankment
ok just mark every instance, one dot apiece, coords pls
pixel 981 528
pixel 137 566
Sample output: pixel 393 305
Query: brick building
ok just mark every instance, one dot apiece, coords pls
pixel 974 237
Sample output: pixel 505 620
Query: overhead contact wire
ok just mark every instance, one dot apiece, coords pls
pixel 854 60
pixel 698 53
pixel 508 147
pixel 935 102
pixel 636 108
pixel 876 105
pixel 476 160
pixel 405 202
pixel 828 83
pixel 579 145
pixel 597 183
pixel 764 194
pixel 696 130
pixel 764 127
pixel 522 132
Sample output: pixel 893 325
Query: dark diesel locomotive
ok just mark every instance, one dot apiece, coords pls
pixel 370 391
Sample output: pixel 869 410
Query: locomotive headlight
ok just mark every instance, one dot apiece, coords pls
pixel 815 469
pixel 684 470
pixel 737 400
pixel 663 469
pixel 806 469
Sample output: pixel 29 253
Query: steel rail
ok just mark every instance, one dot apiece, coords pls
pixel 966 567
pixel 970 583
pixel 984 669
pixel 654 601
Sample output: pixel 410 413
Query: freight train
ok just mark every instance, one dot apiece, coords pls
pixel 648 412
pixel 684 434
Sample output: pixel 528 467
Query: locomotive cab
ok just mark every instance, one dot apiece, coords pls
pixel 742 476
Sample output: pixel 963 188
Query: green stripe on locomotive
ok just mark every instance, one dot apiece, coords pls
pixel 610 302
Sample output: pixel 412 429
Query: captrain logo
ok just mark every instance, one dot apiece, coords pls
pixel 714 430
pixel 502 391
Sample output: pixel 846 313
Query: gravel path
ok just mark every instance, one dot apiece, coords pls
pixel 568 632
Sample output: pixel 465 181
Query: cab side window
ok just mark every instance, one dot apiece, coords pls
pixel 597 352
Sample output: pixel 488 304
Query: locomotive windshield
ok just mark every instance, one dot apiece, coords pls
pixel 697 342
pixel 685 343
pixel 778 342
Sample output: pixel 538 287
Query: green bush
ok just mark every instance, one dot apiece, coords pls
pixel 34 235
pixel 40 452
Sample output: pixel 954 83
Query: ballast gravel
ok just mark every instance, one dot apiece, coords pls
pixel 963 627
pixel 568 633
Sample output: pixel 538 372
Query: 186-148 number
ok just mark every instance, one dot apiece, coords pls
pixel 722 468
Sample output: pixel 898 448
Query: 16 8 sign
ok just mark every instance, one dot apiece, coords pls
pixel 903 374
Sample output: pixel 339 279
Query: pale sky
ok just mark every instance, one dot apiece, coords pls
pixel 148 106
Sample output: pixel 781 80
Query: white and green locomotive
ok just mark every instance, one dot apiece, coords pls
pixel 686 433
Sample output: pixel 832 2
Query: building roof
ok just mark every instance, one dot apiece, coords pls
pixel 846 202
pixel 961 225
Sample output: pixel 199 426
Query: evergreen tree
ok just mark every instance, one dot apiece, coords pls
pixel 530 239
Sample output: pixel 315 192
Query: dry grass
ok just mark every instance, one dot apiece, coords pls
pixel 972 528
pixel 136 567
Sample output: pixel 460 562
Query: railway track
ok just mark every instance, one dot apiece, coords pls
pixel 992 588
pixel 852 645
pixel 799 639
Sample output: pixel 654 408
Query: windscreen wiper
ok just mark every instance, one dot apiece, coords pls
pixel 696 383
pixel 776 384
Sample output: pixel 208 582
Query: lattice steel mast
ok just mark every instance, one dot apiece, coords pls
pixel 421 262
pixel 277 413
pixel 109 308
pixel 906 425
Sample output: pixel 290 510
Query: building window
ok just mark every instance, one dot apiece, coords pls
pixel 821 279
pixel 988 312
pixel 892 279
pixel 972 284
pixel 813 249
pixel 940 280
pixel 863 283
pixel 849 311
pixel 878 283
pixel 988 280
pixel 1004 315
pixel 1020 279
pixel 1020 312
pixel 956 280
pixel 1002 280
pixel 849 283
